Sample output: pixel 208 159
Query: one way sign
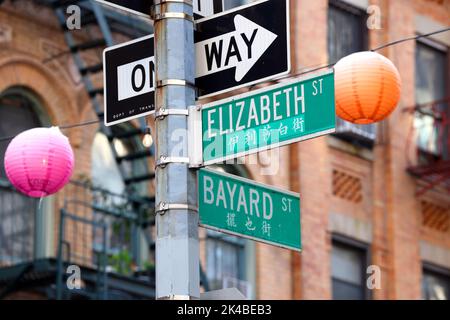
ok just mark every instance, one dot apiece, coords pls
pixel 242 47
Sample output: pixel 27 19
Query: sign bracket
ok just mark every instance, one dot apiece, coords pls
pixel 165 160
pixel 173 15
pixel 174 82
pixel 159 11
pixel 195 143
pixel 163 112
pixel 164 206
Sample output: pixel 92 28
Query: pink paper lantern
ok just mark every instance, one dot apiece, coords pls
pixel 39 162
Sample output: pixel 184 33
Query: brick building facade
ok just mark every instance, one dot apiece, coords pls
pixel 360 205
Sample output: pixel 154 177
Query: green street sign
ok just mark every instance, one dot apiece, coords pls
pixel 267 118
pixel 248 209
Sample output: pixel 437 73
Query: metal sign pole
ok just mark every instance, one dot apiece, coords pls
pixel 177 245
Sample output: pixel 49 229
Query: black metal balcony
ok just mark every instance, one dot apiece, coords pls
pixel 107 236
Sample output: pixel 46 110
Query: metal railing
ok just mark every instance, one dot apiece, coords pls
pixel 103 231
pixel 92 228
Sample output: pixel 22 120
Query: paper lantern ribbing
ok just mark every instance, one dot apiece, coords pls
pixel 367 87
pixel 39 162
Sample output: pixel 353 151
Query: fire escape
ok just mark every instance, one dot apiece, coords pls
pixel 96 228
pixel 429 137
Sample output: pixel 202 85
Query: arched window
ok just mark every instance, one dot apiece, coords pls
pixel 19 111
pixel 230 260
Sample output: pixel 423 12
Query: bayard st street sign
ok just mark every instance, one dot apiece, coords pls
pixel 267 118
pixel 242 207
pixel 241 47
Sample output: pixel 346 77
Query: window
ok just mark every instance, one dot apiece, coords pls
pixel 431 72
pixel 348 269
pixel 230 259
pixel 435 283
pixel 225 259
pixel 347 33
pixel 431 89
pixel 18 112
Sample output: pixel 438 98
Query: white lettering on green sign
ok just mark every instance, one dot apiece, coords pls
pixel 256 111
pixel 268 118
pixel 215 194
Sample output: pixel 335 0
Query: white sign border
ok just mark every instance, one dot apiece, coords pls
pixel 288 40
pixel 105 105
pixel 275 145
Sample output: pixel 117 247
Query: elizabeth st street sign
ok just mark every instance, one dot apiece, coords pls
pixel 234 49
pixel 263 119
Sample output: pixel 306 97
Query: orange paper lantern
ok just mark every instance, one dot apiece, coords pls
pixel 367 87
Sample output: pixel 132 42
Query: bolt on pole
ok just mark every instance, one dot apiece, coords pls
pixel 177 245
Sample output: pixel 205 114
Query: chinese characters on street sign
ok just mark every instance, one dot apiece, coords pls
pixel 270 117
